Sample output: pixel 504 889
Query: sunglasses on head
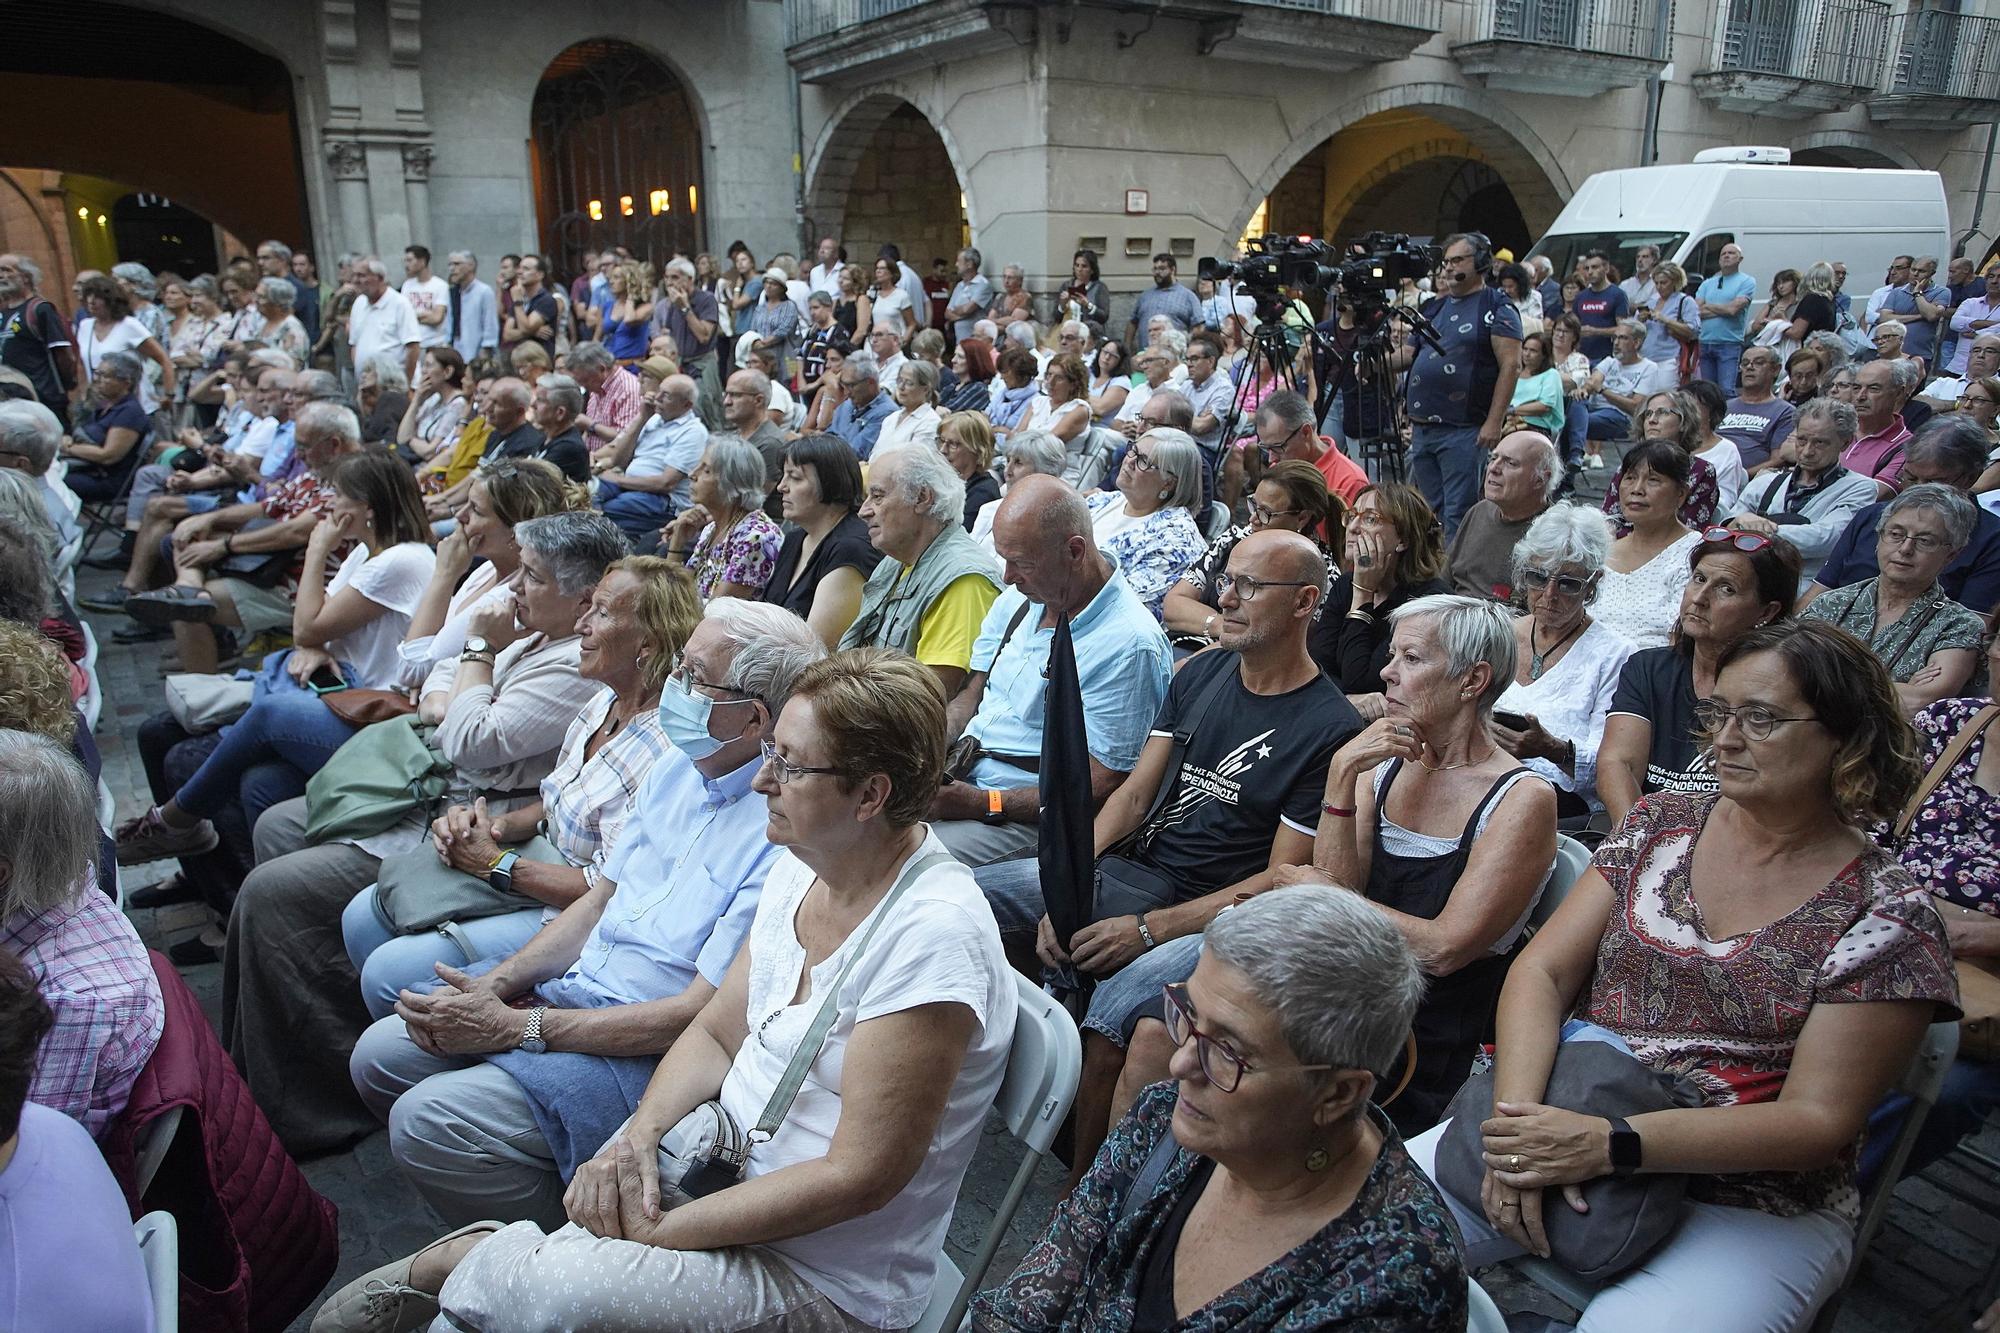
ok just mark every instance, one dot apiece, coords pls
pixel 1747 542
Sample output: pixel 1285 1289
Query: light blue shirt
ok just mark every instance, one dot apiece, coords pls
pixel 862 429
pixel 278 456
pixel 689 867
pixel 478 320
pixel 1722 288
pixel 676 444
pixel 1123 664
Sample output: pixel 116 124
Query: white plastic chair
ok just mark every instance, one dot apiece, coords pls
pixel 92 703
pixel 1481 1314
pixel 151 1149
pixel 65 564
pixel 1043 1069
pixel 1920 1082
pixel 160 1246
pixel 1095 459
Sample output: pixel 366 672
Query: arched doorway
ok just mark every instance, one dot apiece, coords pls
pixel 617 157
pixel 1842 157
pixel 1427 171
pixel 885 175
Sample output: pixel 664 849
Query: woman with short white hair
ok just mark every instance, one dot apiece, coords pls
pixel 725 537
pixel 1148 522
pixel 916 418
pixel 281 328
pixel 1027 452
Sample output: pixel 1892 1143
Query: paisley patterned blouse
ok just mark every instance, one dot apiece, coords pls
pixel 1953 847
pixel 1390 1262
pixel 1727 1013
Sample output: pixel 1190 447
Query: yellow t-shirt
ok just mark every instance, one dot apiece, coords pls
pixel 950 628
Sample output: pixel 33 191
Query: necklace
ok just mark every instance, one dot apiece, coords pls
pixel 1538 657
pixel 1439 768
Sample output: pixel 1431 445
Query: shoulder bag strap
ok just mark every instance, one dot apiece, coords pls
pixel 1953 752
pixel 1183 735
pixel 788 1087
pixel 1012 625
pixel 1151 1172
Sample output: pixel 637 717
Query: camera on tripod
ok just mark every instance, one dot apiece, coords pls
pixel 1377 263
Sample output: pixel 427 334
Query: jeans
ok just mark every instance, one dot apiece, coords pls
pixel 390 963
pixel 171 756
pixel 1014 891
pixel 1444 465
pixel 1576 426
pixel 1607 423
pixel 1718 363
pixel 639 514
pixel 288 726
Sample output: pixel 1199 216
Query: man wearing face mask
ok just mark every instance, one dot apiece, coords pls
pixel 491 1105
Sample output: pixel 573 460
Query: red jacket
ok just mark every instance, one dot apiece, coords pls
pixel 257 1244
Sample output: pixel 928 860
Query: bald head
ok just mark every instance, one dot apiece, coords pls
pixel 1047 509
pixel 1285 554
pixel 1042 534
pixel 1268 597
pixel 677 393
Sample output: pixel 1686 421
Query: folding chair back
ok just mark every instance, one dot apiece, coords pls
pixel 160 1246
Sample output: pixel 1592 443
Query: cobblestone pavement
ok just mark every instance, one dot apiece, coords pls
pixel 1920 1276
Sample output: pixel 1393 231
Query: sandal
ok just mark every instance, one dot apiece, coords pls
pixel 176 604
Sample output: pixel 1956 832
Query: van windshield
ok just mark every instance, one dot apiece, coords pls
pixel 1621 247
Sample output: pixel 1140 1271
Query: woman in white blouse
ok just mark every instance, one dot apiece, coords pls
pixel 1566 663
pixel 437 406
pixel 837 1221
pixel 1640 593
pixel 915 420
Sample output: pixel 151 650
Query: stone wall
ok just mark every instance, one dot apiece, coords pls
pixel 904 191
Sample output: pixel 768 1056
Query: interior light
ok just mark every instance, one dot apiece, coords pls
pixel 693 205
pixel 660 201
pixel 625 204
pixel 83 212
pixel 596 207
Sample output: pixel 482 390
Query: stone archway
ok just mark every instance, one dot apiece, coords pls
pixel 617 156
pixel 1844 148
pixel 883 171
pixel 1387 130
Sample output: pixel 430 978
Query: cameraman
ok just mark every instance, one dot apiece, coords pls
pixel 1457 400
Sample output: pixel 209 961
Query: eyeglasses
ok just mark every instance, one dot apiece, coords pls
pixel 783 769
pixel 1923 541
pixel 685 675
pixel 1144 462
pixel 1757 721
pixel 1221 1066
pixel 1746 542
pixel 1246 588
pixel 1263 513
pixel 1569 585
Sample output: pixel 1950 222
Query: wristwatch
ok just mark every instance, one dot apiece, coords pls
pixel 476 650
pixel 996 810
pixel 531 1038
pixel 501 876
pixel 1626 1151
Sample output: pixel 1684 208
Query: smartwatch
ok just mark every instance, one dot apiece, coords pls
pixel 996 811
pixel 501 876
pixel 1626 1152
pixel 531 1038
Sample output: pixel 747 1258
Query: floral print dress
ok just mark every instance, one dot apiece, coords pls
pixel 1953 846
pixel 745 555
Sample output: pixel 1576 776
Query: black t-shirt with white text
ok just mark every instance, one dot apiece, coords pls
pixel 29 334
pixel 1657 684
pixel 1255 759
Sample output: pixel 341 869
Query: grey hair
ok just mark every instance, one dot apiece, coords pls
pixel 563 392
pixel 389 374
pixel 122 366
pixel 278 292
pixel 273 358
pixel 321 386
pixel 923 469
pixel 1022 334
pixel 763 381
pixel 371 264
pixel 1952 442
pixel 1947 502
pixel 48 824
pixel 1076 326
pixel 1832 352
pixel 1818 278
pixel 331 418
pixel 739 470
pixel 1287 407
pixel 1836 414
pixel 1178 457
pixel 1035 450
pixel 1895 326
pixel 29 270
pixel 926 373
pixel 987 329
pixel 204 284
pixel 32 431
pixel 1173 342
pixel 1904 370
pixel 590 356
pixel 1339 975
pixel 1565 535
pixel 773 648
pixel 1015 269
pixel 466 255
pixel 139 276
pixel 1472 630
pixel 969 252
pixel 680 264
pixel 1631 326
pixel 22 514
pixel 577 544
pixel 864 366
pixel 1548 465
pixel 278 248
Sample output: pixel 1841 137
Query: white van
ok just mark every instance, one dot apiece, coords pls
pixel 1783 216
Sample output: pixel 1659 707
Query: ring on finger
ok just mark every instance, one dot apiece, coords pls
pixel 1514 1163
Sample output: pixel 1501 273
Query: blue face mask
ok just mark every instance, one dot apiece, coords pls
pixel 684 718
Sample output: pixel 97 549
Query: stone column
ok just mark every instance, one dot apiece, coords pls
pixel 349 164
pixel 417 185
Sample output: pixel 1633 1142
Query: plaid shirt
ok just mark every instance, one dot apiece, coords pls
pixel 296 494
pixel 95 976
pixel 585 802
pixel 617 402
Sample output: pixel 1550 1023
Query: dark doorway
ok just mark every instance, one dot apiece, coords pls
pixel 164 236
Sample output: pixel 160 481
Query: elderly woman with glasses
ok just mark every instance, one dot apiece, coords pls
pixel 1294 1015
pixel 1737 582
pixel 1148 523
pixel 834 1220
pixel 1928 642
pixel 725 537
pixel 1551 715
pixel 1791 998
pixel 1291 497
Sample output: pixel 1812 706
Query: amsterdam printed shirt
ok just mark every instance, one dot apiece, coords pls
pixel 1255 760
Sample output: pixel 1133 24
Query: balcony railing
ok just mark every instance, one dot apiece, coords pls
pixel 1838 42
pixel 1598 27
pixel 1939 54
pixel 808 19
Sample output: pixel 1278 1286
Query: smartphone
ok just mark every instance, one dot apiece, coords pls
pixel 1512 721
pixel 325 681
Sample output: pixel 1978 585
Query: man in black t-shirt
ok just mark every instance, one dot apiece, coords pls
pixel 1261 724
pixel 34 337
pixel 533 315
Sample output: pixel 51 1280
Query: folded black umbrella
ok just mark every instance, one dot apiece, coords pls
pixel 1066 846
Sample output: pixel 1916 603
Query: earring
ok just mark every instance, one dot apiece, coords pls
pixel 1317 1160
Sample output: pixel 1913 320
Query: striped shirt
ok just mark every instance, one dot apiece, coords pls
pixel 95 976
pixel 586 798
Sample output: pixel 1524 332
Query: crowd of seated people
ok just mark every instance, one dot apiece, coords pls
pixel 528 669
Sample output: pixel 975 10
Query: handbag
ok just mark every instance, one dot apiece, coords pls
pixel 1629 1216
pixel 201 702
pixel 964 754
pixel 380 775
pixel 364 708
pixel 706 1152
pixel 415 891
